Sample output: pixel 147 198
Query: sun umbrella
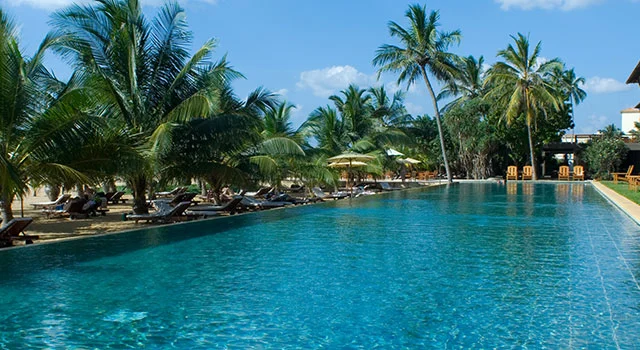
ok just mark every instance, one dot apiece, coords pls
pixel 347 164
pixel 412 161
pixel 349 159
pixel 392 153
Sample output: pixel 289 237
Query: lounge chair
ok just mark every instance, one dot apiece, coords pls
pixel 49 205
pixel 176 191
pixel 252 203
pixel 213 210
pixel 527 172
pixel 563 173
pixel 622 176
pixel 386 187
pixel 318 192
pixel 164 213
pixel 182 197
pixel 259 193
pixel 512 172
pixel 76 208
pixel 578 173
pixel 116 197
pixel 12 230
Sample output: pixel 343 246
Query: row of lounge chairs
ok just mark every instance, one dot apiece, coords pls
pixel 111 197
pixel 563 173
pixel 182 207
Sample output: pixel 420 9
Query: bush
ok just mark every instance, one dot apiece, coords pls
pixel 604 155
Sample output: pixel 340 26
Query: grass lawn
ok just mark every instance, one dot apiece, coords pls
pixel 623 189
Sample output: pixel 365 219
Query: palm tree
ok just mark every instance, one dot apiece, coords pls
pixel 355 109
pixel 611 131
pixel 569 85
pixel 142 75
pixel 424 49
pixel 520 83
pixel 468 82
pixel 328 129
pixel 45 133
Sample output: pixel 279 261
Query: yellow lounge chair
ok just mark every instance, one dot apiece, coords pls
pixel 512 172
pixel 622 176
pixel 527 172
pixel 563 173
pixel 578 173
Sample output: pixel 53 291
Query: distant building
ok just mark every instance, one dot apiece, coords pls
pixel 629 117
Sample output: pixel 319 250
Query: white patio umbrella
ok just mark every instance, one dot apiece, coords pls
pixel 412 161
pixel 393 153
pixel 349 159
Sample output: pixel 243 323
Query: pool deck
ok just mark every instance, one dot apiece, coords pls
pixel 627 206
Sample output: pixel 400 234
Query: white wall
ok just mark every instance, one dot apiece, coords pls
pixel 628 119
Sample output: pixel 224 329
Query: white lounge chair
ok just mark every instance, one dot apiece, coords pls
pixel 49 205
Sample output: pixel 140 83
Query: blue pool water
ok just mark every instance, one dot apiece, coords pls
pixel 470 266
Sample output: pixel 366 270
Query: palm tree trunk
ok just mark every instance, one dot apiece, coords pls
pixel 6 213
pixel 139 187
pixel 534 175
pixel 440 133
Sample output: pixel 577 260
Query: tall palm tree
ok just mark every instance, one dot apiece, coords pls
pixel 520 84
pixel 468 82
pixel 423 53
pixel 142 74
pixel 389 118
pixel 355 108
pixel 569 84
pixel 328 129
pixel 45 133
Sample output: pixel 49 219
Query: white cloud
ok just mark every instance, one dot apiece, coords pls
pixel 598 85
pixel 281 92
pixel 413 108
pixel 565 5
pixel 393 87
pixel 592 124
pixel 51 5
pixel 327 81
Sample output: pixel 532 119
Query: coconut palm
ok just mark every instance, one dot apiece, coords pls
pixel 423 53
pixel 45 133
pixel 468 82
pixel 355 109
pixel 328 129
pixel 569 85
pixel 389 118
pixel 142 74
pixel 520 84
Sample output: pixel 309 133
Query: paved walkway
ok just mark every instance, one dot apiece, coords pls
pixel 632 209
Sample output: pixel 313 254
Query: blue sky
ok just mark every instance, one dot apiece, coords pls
pixel 307 50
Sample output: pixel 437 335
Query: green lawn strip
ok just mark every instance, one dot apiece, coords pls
pixel 623 189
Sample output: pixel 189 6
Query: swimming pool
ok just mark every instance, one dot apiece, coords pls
pixel 473 265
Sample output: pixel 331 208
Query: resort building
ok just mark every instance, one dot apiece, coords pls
pixel 629 117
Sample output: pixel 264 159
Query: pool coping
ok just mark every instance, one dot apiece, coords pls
pixel 621 202
pixel 223 217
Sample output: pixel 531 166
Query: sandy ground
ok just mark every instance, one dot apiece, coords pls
pixel 49 229
pixel 63 227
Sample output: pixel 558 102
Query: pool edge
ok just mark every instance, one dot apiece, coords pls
pixel 82 237
pixel 631 209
